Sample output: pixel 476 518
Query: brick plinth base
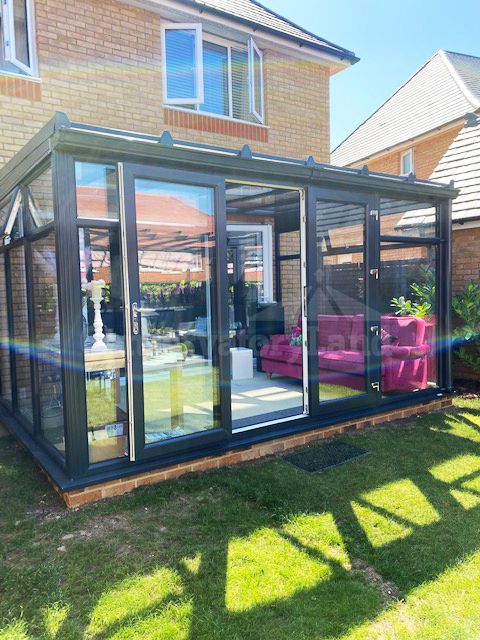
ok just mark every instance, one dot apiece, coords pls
pixel 252 452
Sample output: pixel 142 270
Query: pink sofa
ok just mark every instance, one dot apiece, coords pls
pixel 405 362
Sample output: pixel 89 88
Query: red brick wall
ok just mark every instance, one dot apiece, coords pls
pixel 466 256
pixel 100 62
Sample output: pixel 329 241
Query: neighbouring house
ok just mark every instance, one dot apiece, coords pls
pixel 184 282
pixel 431 127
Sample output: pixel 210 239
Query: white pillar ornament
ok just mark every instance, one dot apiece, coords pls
pixel 96 288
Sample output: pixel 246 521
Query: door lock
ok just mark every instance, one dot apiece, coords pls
pixel 135 312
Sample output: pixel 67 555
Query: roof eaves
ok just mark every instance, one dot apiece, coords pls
pixel 326 47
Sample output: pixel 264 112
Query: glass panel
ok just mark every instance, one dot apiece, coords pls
pixel 409 317
pixel 103 322
pixel 239 62
pixel 22 53
pixel 405 218
pixel 215 79
pixel 4 209
pixel 341 296
pixel 265 301
pixel 181 64
pixel 47 339
pixel 97 195
pixel 21 333
pixel 5 371
pixel 13 229
pixel 40 200
pixel 257 79
pixel 176 247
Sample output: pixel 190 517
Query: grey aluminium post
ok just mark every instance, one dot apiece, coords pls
pixel 445 279
pixel 70 314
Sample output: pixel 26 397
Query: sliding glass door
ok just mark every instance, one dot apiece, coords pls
pixel 172 243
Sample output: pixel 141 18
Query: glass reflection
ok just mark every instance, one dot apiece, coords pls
pixel 176 245
pixel 105 373
pixel 47 340
pixel 341 296
pixel 408 298
pixel 97 195
pixel 21 333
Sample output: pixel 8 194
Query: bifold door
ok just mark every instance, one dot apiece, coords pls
pixel 177 337
pixel 343 323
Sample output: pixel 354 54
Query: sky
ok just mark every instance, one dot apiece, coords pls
pixel 392 39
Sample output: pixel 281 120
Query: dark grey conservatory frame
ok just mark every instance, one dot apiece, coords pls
pixel 63 142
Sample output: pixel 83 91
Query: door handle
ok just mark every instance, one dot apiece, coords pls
pixel 374 329
pixel 374 273
pixel 135 325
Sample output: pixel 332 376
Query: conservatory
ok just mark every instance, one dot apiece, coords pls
pixel 163 301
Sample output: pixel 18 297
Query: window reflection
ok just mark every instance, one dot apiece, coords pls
pixel 47 339
pixel 176 247
pixel 5 372
pixel 341 296
pixel 97 195
pixel 407 218
pixel 21 333
pixel 103 327
pixel 408 317
pixel 40 201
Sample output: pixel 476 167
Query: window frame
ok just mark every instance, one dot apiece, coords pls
pixel 252 51
pixel 267 248
pixel 9 37
pixel 229 46
pixel 407 154
pixel 184 26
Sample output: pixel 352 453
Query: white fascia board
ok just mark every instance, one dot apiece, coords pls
pixel 264 39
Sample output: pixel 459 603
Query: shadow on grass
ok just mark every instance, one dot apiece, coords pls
pixel 258 551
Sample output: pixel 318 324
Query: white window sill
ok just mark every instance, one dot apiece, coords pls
pixel 215 115
pixel 23 76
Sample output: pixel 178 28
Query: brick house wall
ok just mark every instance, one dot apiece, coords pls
pixel 100 62
pixel 465 241
pixel 427 153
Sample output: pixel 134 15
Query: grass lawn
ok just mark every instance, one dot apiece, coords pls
pixel 384 547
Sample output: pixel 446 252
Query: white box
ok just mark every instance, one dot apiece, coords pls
pixel 242 363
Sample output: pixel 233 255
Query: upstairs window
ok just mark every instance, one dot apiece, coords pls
pixel 407 163
pixel 206 74
pixel 16 36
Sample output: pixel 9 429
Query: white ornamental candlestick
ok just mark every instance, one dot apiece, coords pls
pixel 96 287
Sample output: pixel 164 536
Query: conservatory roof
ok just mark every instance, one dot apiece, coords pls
pixel 119 145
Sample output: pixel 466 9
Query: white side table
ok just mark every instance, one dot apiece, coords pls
pixel 242 363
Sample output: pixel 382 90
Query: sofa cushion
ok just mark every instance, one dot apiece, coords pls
pixel 334 332
pixel 282 352
pixel 342 360
pixel 410 331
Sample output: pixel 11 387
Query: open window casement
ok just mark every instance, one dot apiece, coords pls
pixel 13 218
pixel 255 77
pixel 18 34
pixel 182 59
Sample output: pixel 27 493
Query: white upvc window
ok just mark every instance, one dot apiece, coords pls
pixel 182 63
pixel 407 162
pixel 255 70
pixel 17 36
pixel 211 75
